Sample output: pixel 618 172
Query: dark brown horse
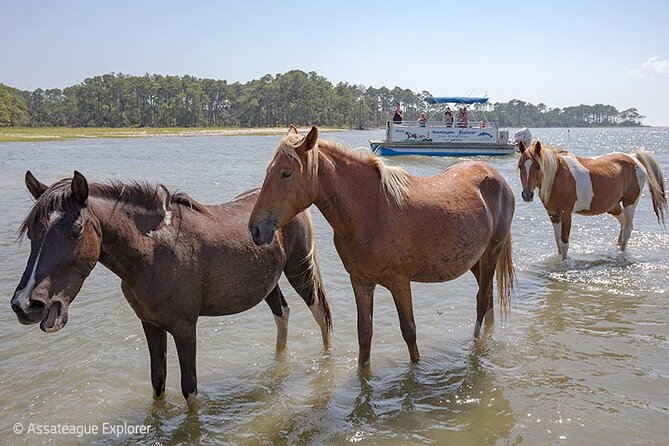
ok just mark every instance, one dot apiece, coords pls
pixel 177 260
pixel 391 228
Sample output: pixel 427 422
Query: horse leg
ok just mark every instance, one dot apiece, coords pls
pixel 404 305
pixel 304 276
pixel 618 214
pixel 184 338
pixel 557 230
pixel 565 222
pixel 484 277
pixel 628 212
pixel 490 314
pixel 156 338
pixel 277 303
pixel 364 301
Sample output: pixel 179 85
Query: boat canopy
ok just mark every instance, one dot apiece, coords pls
pixel 455 100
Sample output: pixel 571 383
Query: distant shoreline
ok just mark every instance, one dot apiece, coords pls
pixel 41 134
pixel 45 134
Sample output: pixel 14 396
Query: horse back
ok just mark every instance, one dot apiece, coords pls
pixel 614 179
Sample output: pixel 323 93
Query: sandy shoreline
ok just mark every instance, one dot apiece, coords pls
pixel 37 134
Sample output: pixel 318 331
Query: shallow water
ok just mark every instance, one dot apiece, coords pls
pixel 583 359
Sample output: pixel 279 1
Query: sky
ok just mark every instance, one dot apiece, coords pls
pixel 559 53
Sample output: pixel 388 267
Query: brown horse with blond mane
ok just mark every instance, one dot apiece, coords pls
pixel 177 260
pixel 391 228
pixel 590 186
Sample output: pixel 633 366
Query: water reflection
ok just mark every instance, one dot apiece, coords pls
pixel 427 402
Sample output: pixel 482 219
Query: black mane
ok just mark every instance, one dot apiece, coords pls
pixel 58 197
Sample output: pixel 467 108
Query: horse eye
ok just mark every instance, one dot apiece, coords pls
pixel 76 231
pixel 286 174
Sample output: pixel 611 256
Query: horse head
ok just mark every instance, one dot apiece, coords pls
pixel 65 242
pixel 289 186
pixel 529 169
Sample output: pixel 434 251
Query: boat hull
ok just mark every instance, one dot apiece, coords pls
pixel 440 149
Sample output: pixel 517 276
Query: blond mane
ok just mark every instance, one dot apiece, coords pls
pixel 548 163
pixel 394 180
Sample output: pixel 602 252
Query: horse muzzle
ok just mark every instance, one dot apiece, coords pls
pixel 527 195
pixel 263 233
pixel 30 313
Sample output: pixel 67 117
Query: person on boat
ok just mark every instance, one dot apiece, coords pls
pixel 422 120
pixel 397 114
pixel 448 117
pixel 463 119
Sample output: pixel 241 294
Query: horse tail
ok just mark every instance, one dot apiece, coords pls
pixel 317 286
pixel 506 277
pixel 655 183
pixel 304 275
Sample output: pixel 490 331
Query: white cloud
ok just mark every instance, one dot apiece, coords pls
pixel 655 66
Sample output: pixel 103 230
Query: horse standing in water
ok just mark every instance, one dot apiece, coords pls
pixel 391 228
pixel 590 186
pixel 177 259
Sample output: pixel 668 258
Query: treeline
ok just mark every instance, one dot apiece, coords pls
pixel 119 100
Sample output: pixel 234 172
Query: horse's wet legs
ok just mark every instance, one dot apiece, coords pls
pixel 617 213
pixel 628 212
pixel 156 338
pixel 486 272
pixel 184 338
pixel 279 307
pixel 404 305
pixel 565 222
pixel 557 230
pixel 364 300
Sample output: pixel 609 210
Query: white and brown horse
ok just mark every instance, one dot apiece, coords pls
pixel 391 228
pixel 570 184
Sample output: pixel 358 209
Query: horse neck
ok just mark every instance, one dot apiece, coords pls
pixel 349 191
pixel 125 247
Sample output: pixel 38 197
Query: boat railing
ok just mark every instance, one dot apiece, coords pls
pixel 456 123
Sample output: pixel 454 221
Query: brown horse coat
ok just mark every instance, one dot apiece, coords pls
pixel 590 186
pixel 177 260
pixel 391 228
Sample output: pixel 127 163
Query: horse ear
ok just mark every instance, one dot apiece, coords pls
pixel 537 148
pixel 35 188
pixel 79 188
pixel 310 140
pixel 521 147
pixel 292 129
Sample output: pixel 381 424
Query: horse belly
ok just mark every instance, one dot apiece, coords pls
pixel 452 249
pixel 238 283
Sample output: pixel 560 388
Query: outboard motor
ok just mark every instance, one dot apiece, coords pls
pixel 524 135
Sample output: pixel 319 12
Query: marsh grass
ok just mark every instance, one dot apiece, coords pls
pixel 37 134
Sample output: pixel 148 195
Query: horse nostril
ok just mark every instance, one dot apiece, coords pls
pixel 35 306
pixel 15 306
pixel 255 232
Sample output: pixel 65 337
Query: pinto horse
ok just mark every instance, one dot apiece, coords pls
pixel 590 186
pixel 391 228
pixel 177 260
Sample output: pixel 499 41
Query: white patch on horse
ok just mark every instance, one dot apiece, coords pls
pixel 54 217
pixel 24 294
pixel 557 230
pixel 641 175
pixel 528 166
pixel 581 175
pixel 164 225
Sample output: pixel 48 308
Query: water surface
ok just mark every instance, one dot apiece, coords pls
pixel 582 360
